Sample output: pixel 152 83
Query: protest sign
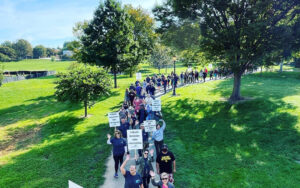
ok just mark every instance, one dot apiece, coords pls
pixel 114 119
pixel 138 76
pixel 150 125
pixel 73 185
pixel 134 139
pixel 156 105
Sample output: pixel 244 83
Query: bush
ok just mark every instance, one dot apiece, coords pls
pixel 53 58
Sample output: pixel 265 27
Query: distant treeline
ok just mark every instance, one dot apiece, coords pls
pixel 22 49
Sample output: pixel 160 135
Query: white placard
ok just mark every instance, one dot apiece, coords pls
pixel 150 125
pixel 114 119
pixel 138 76
pixel 73 185
pixel 134 139
pixel 156 105
pixel 210 66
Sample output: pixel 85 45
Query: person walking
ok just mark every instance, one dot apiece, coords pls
pixel 145 167
pixel 118 144
pixel 204 76
pixel 210 75
pixel 163 183
pixel 165 83
pixel 124 127
pixel 158 135
pixel 131 96
pixel 158 83
pixel 165 162
pixel 132 178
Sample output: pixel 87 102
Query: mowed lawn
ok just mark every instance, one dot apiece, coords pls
pixel 36 64
pixel 255 143
pixel 45 143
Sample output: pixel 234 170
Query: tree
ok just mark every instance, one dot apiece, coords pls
pixel 237 33
pixel 144 37
pixel 7 54
pixel 51 52
pixel 7 44
pixel 39 51
pixel 23 49
pixel 108 40
pixel 161 57
pixel 82 84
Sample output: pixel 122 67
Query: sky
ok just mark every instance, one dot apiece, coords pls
pixel 50 22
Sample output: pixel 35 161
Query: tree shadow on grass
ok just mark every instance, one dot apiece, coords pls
pixel 39 108
pixel 61 156
pixel 222 145
pixel 270 85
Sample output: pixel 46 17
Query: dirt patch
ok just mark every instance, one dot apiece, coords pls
pixel 19 140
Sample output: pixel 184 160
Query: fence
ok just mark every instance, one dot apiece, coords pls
pixel 19 75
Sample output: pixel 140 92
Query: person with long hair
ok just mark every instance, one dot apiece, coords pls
pixel 118 144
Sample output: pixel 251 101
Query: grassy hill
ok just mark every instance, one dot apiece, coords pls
pixel 44 143
pixel 255 143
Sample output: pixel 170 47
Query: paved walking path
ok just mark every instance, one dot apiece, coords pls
pixel 110 181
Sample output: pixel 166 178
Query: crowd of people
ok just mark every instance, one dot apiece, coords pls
pixel 136 109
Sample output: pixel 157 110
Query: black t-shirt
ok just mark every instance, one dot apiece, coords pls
pixel 132 181
pixel 165 162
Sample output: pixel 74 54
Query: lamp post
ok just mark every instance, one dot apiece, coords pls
pixel 174 75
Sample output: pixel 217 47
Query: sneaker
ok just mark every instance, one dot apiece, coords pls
pixel 116 175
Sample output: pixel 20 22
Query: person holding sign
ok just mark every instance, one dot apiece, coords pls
pixel 132 178
pixel 145 136
pixel 118 149
pixel 163 183
pixel 158 135
pixel 145 163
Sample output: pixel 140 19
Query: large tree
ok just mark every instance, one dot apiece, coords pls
pixel 108 40
pixel 82 84
pixel 238 33
pixel 23 49
pixel 39 51
pixel 144 37
pixel 161 57
pixel 7 54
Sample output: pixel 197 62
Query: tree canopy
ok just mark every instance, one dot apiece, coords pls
pixel 108 40
pixel 39 51
pixel 82 84
pixel 238 33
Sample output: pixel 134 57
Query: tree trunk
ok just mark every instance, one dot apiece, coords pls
pixel 236 92
pixel 85 108
pixel 281 65
pixel 115 78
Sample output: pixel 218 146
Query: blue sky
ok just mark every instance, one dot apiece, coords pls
pixel 49 22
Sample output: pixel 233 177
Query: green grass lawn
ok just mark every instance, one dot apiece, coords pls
pixel 250 144
pixel 44 143
pixel 36 64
